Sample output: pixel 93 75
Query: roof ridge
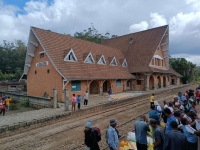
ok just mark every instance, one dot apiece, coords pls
pixel 72 37
pixel 138 32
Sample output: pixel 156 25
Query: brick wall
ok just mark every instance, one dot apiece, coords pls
pixel 42 81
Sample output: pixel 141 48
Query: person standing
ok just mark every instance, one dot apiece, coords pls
pixel 152 100
pixel 190 134
pixel 3 106
pixel 197 93
pixel 174 139
pixel 74 102
pixel 170 118
pixel 8 103
pixel 85 97
pixel 141 129
pixel 181 98
pixel 158 135
pixel 110 94
pixel 79 101
pixel 112 133
pixel 90 137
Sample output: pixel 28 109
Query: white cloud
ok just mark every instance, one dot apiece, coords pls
pixel 185 24
pixel 157 20
pixel 192 58
pixel 139 27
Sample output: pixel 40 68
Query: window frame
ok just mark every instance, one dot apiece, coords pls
pixel 75 83
pixel 71 52
pixel 118 83
pixel 102 56
pixel 114 59
pixel 124 62
pixel 89 55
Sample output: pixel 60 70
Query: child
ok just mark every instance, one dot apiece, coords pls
pixel 73 102
pixel 79 101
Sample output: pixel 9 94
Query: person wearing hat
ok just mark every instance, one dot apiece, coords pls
pixel 113 140
pixel 79 102
pixel 158 135
pixel 90 137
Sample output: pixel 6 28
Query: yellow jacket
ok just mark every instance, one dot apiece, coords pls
pixel 8 101
pixel 152 98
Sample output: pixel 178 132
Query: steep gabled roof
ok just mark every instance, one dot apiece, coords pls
pixel 58 45
pixel 138 47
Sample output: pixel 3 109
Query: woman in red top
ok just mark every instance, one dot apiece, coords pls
pixel 197 95
pixel 73 102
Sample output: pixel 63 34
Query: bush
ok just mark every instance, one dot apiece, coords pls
pixel 15 106
pixel 25 102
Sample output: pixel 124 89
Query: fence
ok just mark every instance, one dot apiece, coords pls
pixel 38 101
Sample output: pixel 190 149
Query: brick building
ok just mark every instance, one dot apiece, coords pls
pixel 137 61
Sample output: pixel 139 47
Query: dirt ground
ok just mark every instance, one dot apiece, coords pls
pixel 68 134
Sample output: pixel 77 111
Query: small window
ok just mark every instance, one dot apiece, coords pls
pixel 102 60
pixel 113 62
pixel 89 59
pixel 35 71
pixel 118 83
pixel 70 56
pixel 41 55
pixel 139 82
pixel 48 70
pixel 124 64
pixel 76 86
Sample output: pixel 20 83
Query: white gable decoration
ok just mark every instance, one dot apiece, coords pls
pixel 157 56
pixel 89 59
pixel 102 60
pixel 70 56
pixel 124 64
pixel 113 62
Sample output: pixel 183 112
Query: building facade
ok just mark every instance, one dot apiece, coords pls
pixel 56 61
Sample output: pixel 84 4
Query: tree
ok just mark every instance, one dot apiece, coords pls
pixel 12 59
pixel 186 68
pixel 12 56
pixel 92 35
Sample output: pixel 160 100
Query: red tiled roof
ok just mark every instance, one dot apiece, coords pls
pixel 140 52
pixel 169 71
pixel 58 45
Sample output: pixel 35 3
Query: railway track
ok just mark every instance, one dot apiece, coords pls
pixel 72 129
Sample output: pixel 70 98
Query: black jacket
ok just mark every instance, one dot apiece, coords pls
pixel 90 140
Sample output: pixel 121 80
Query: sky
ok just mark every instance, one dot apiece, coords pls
pixel 117 17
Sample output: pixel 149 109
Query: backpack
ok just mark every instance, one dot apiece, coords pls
pixel 97 133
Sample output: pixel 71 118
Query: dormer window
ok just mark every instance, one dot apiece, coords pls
pixel 41 54
pixel 113 62
pixel 89 59
pixel 70 56
pixel 102 60
pixel 124 64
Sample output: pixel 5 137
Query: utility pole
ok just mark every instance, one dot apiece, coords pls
pixel 66 100
pixel 54 98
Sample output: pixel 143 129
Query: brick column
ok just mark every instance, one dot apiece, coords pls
pixel 161 82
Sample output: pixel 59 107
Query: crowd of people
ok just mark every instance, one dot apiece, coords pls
pixel 4 104
pixel 175 125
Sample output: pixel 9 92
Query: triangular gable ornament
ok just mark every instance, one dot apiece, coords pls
pixel 89 59
pixel 102 60
pixel 113 62
pixel 70 56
